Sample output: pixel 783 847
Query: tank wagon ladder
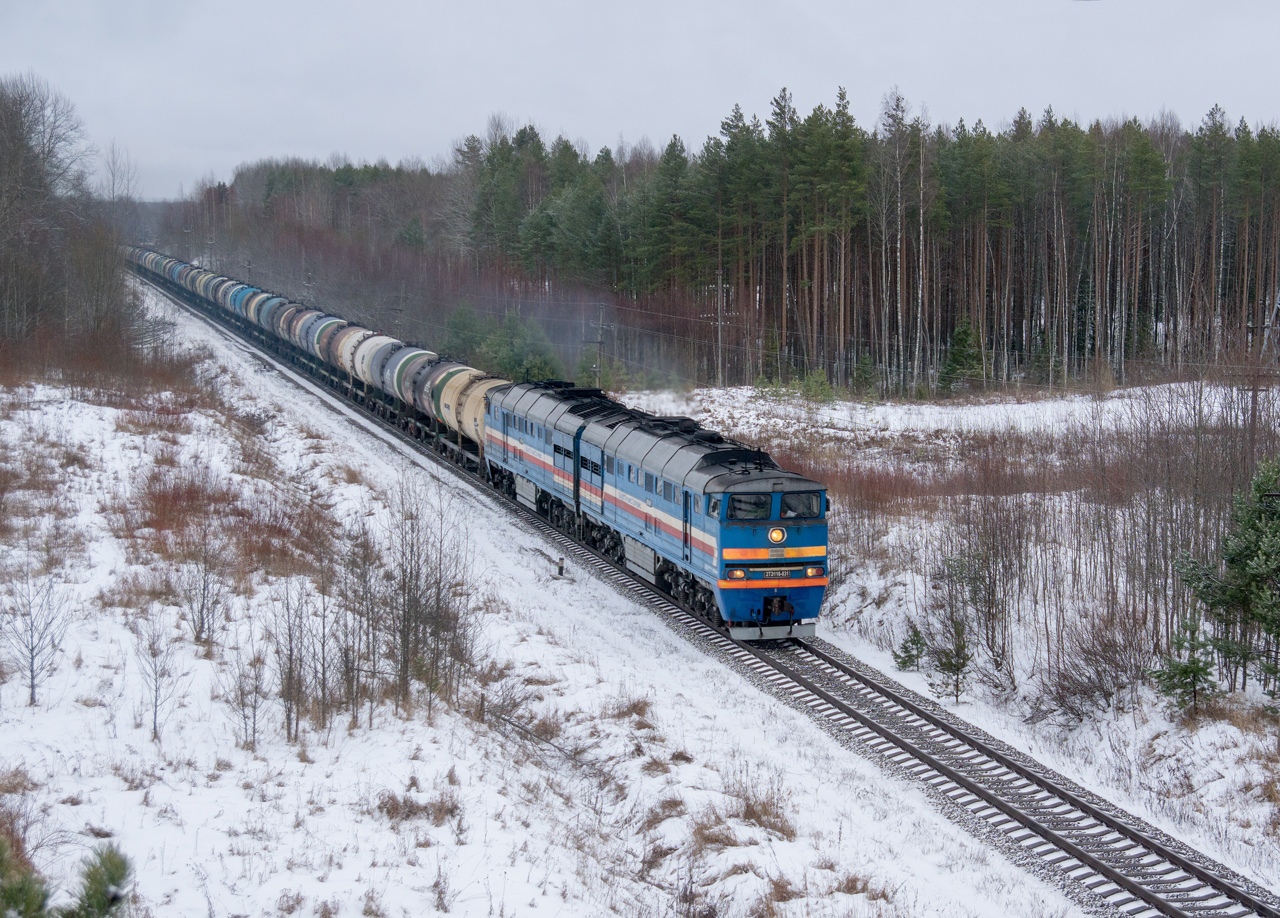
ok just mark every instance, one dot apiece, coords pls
pixel 1093 847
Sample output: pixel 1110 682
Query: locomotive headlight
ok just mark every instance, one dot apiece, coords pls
pixel 777 536
pixel 736 573
pixel 813 572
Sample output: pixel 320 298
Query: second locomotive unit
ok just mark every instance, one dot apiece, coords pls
pixel 710 521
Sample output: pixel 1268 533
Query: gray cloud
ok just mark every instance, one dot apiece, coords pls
pixel 194 88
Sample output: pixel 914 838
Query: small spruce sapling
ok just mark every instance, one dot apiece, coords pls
pixel 951 656
pixel 912 649
pixel 1187 674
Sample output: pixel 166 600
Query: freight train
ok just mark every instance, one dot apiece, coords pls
pixel 714 523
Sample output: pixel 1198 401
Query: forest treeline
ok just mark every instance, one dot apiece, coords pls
pixel 811 244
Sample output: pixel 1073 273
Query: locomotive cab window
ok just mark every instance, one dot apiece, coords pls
pixel 713 507
pixel 749 506
pixel 805 505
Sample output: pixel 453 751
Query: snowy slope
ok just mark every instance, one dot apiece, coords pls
pixel 1215 785
pixel 653 782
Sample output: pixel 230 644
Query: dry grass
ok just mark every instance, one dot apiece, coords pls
pixel 13 831
pixel 16 781
pixel 762 803
pixel 547 727
pixel 654 766
pixel 438 809
pixel 667 808
pixel 710 833
pixel 168 420
pixel 136 590
pixel 624 706
pixel 349 474
pixel 854 884
pixel 780 890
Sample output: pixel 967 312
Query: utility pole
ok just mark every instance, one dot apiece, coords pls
pixel 599 342
pixel 719 328
pixel 397 311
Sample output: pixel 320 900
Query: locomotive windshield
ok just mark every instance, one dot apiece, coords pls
pixel 805 505
pixel 749 506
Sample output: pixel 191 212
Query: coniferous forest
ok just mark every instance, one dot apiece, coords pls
pixel 901 257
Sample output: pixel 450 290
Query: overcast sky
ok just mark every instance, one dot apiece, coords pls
pixel 191 88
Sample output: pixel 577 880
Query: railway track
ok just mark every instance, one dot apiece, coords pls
pixel 1094 848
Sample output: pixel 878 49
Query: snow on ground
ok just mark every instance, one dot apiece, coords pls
pixel 1216 786
pixel 752 411
pixel 644 778
pixel 780 416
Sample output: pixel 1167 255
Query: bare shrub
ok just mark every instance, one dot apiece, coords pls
pixel 34 618
pixel 443 896
pixel 1103 659
pixel 156 654
pixel 289 635
pixel 246 686
pixel 428 609
pixel 178 500
pixel 359 592
pixel 200 577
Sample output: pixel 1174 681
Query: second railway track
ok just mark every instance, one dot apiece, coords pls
pixel 1094 848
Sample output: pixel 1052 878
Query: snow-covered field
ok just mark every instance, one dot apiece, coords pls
pixel 635 776
pixel 1214 784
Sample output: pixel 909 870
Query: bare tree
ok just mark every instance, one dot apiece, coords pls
pixel 200 581
pixel 118 189
pixel 361 587
pixel 155 651
pixel 288 634
pixel 245 685
pixel 33 620
pixel 324 641
pixel 42 155
pixel 431 630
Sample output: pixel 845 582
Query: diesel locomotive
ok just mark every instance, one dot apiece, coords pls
pixel 714 523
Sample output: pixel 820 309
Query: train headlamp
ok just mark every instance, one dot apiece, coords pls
pixel 777 536
pixel 736 573
pixel 813 572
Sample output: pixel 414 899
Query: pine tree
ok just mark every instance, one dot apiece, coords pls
pixel 1187 674
pixel 24 893
pixel 1242 594
pixel 950 653
pixel 911 651
pixel 964 363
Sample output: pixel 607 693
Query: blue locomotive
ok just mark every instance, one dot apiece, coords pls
pixel 712 522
